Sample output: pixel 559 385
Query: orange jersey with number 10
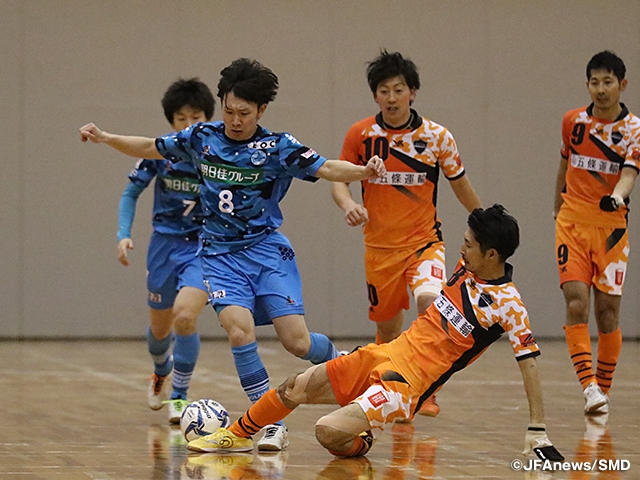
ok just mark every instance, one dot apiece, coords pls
pixel 596 151
pixel 467 316
pixel 402 205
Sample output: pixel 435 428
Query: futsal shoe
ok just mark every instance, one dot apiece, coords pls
pixel 157 392
pixel 594 399
pixel 221 441
pixel 430 407
pixel 176 408
pixel 275 438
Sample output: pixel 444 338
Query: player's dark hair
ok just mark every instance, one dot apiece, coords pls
pixel 249 80
pixel 388 65
pixel 609 62
pixel 493 227
pixel 188 93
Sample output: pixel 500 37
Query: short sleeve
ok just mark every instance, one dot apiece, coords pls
pixel 299 161
pixel 515 322
pixel 179 146
pixel 449 157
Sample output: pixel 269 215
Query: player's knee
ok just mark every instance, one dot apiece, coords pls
pixel 577 310
pixel 298 347
pixel 328 437
pixel 185 322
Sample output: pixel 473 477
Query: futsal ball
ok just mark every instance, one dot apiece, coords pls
pixel 203 417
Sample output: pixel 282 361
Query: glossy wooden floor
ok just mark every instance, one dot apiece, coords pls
pixel 77 410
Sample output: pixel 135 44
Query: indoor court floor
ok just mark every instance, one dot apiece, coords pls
pixel 77 410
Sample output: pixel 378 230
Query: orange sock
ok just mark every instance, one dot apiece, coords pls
pixel 609 346
pixel 579 343
pixel 269 409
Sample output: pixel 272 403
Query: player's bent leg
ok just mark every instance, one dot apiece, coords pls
pixel 296 339
pixel 187 307
pixel 345 432
pixel 159 342
pixel 389 329
pixel 310 387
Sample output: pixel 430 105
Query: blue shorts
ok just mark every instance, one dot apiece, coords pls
pixel 263 278
pixel 171 264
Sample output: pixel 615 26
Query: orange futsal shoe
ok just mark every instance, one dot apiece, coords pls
pixel 430 407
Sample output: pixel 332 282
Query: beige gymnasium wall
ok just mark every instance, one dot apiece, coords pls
pixel 499 74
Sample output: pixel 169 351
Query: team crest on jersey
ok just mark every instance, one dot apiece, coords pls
pixel 377 399
pixel 420 146
pixel 485 300
pixel 258 158
pixel 616 137
pixel 619 277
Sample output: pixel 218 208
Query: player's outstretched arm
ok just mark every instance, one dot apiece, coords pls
pixel 465 193
pixel 354 213
pixel 341 171
pixel 140 147
pixel 536 439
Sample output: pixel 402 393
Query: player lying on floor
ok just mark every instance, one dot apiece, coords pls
pixel 377 384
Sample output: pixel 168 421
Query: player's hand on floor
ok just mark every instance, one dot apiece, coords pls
pixel 537 442
pixel 611 203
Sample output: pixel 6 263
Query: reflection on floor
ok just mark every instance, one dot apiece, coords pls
pixel 77 410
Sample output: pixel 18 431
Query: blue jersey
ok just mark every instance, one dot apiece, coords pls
pixel 242 183
pixel 177 209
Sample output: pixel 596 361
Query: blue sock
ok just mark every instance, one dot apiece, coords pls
pixel 321 349
pixel 253 376
pixel 185 354
pixel 160 351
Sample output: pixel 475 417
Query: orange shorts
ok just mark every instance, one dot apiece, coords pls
pixel 389 272
pixel 593 255
pixel 367 377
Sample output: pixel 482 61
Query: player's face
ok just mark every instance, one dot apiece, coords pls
pixel 240 117
pixel 472 255
pixel 187 116
pixel 394 97
pixel 604 89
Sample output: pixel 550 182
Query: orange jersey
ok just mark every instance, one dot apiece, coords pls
pixel 402 205
pixel 596 151
pixel 467 316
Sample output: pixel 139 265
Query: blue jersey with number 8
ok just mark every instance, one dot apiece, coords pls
pixel 242 183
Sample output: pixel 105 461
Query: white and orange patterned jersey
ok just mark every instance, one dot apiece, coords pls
pixel 467 316
pixel 402 204
pixel 596 151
